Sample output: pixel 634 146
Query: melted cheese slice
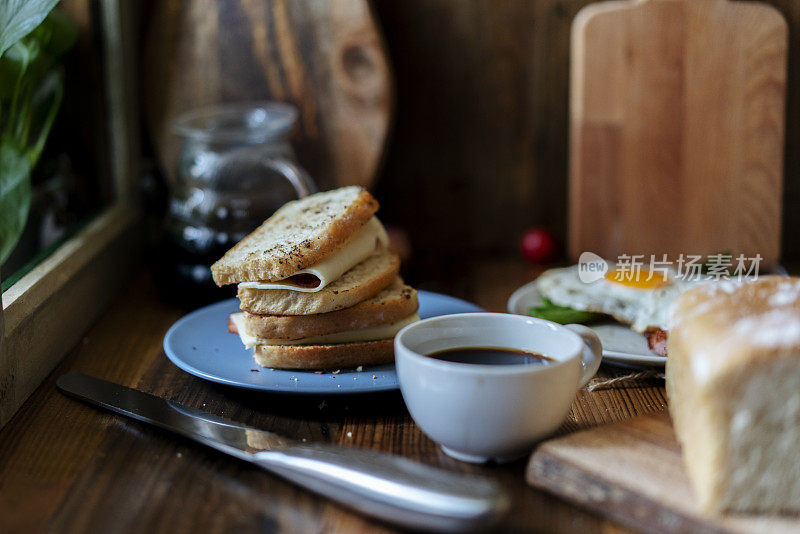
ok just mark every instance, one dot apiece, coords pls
pixel 373 333
pixel 355 250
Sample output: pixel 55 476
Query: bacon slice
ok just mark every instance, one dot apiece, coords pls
pixel 657 340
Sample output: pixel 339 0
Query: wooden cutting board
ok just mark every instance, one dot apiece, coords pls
pixel 327 58
pixel 677 128
pixel 632 472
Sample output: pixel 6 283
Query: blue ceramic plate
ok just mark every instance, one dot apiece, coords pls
pixel 200 344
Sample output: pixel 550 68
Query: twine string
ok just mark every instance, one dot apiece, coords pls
pixel 623 381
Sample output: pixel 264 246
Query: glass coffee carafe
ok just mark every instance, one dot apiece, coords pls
pixel 236 167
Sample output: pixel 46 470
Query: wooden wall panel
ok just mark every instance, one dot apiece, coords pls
pixel 791 168
pixel 479 150
pixel 479 147
pixel 325 57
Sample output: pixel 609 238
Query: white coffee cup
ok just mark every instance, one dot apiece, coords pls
pixel 492 412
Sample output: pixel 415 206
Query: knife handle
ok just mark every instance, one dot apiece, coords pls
pixel 390 488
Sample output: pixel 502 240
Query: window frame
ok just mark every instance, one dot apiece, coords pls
pixel 47 311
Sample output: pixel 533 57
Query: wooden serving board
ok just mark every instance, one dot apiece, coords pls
pixel 677 128
pixel 327 58
pixel 632 472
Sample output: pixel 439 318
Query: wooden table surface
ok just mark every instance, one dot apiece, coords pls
pixel 67 467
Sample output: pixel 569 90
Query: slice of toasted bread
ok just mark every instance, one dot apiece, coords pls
pixel 393 303
pixel 298 235
pixel 339 356
pixel 356 285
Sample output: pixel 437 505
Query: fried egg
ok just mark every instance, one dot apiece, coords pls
pixel 641 301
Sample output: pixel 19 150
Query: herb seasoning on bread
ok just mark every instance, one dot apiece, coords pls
pixel 318 287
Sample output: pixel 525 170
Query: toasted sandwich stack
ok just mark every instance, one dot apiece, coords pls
pixel 318 287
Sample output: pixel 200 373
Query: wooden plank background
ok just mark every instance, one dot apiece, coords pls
pixel 325 57
pixel 480 142
pixel 478 149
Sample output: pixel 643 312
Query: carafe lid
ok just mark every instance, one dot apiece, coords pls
pixel 237 122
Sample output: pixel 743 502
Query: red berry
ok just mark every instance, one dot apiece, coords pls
pixel 538 245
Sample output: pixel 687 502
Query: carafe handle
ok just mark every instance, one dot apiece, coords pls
pixel 294 174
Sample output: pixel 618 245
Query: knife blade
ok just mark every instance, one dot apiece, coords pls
pixel 384 486
pixel 212 430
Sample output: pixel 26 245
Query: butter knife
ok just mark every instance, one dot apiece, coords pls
pixel 380 485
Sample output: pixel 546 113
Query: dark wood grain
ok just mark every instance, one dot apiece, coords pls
pixel 480 144
pixel 326 58
pixel 479 147
pixel 67 467
pixel 481 122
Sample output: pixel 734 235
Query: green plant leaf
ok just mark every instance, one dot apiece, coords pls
pixel 46 110
pixel 37 54
pixel 19 17
pixel 15 195
pixel 45 45
pixel 62 33
pixel 12 67
pixel 31 88
pixel 564 315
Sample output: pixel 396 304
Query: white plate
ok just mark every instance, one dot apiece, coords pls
pixel 620 343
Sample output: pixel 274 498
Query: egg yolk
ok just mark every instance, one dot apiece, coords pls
pixel 637 280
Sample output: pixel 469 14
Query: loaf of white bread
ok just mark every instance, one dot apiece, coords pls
pixel 733 380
